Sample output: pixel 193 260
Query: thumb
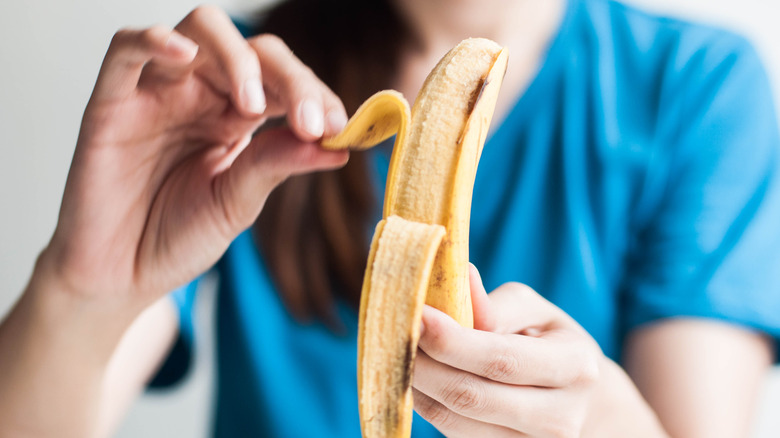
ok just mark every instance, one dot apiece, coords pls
pixel 484 318
pixel 271 157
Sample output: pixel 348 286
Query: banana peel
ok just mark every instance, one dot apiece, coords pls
pixel 419 253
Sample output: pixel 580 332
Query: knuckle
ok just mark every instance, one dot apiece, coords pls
pixel 503 366
pixel 121 36
pixel 307 72
pixel 204 13
pixel 590 371
pixel 269 40
pixel 295 82
pixel 136 45
pixel 239 61
pixel 467 394
pixel 522 289
pixel 276 47
pixel 247 64
pixel 562 428
pixel 586 370
pixel 154 36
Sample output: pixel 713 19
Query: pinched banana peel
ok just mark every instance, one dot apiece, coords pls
pixel 419 253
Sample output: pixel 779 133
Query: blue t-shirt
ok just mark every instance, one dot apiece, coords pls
pixel 637 178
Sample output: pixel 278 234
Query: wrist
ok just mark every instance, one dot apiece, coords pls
pixel 60 313
pixel 83 273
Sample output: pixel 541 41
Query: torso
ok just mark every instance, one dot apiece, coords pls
pixel 576 163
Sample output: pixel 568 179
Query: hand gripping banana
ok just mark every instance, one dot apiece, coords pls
pixel 419 253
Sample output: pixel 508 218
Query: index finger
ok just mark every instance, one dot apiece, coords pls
pixel 557 360
pixel 131 50
pixel 311 108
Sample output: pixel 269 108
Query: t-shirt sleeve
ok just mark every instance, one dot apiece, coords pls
pixel 708 244
pixel 179 360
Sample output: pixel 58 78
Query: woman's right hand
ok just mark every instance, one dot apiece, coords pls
pixel 166 170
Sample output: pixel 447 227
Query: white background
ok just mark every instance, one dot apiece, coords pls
pixel 50 51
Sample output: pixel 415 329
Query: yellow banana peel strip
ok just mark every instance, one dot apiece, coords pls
pixel 395 302
pixel 420 249
pixel 380 117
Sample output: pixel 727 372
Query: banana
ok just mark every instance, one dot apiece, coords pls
pixel 420 249
pixel 380 117
pixel 390 318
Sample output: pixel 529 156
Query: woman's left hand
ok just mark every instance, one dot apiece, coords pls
pixel 527 369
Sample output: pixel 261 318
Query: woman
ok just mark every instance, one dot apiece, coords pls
pixel 632 179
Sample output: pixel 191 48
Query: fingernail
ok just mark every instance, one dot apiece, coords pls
pixel 312 118
pixel 475 271
pixel 180 44
pixel 336 121
pixel 422 328
pixel 254 99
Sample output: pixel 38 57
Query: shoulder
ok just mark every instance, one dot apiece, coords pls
pixel 678 75
pixel 675 45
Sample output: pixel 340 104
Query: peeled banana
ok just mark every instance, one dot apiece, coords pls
pixel 419 251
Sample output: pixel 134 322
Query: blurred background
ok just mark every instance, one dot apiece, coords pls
pixel 50 51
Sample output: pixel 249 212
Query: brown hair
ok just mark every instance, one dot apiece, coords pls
pixel 314 229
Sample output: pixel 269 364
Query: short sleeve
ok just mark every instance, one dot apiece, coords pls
pixel 179 360
pixel 708 242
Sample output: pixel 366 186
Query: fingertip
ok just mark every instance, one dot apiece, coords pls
pixel 252 96
pixel 332 159
pixel 432 315
pixel 425 322
pixel 311 118
pixel 474 272
pixel 483 312
pixel 426 319
pixel 335 121
pixel 475 281
pixel 302 156
pixel 427 312
pixel 342 158
pixel 437 328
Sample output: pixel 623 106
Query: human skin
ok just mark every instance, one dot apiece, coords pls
pixel 166 173
pixel 528 369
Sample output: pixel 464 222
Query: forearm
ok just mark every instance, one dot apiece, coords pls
pixel 702 377
pixel 54 350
